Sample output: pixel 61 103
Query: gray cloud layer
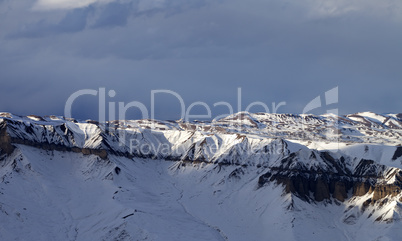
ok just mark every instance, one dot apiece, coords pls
pixel 203 50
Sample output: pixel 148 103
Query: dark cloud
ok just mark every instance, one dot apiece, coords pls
pixel 74 21
pixel 117 13
pixel 203 50
pixel 113 14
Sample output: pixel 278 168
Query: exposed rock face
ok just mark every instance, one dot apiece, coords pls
pixel 398 153
pixel 361 188
pixel 5 141
pixel 382 191
pixel 340 191
pixel 323 184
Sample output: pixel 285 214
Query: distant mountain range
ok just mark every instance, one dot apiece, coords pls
pixel 244 177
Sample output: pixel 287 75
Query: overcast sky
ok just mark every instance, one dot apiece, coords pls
pixel 204 50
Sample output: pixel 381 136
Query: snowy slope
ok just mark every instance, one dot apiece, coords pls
pixel 245 177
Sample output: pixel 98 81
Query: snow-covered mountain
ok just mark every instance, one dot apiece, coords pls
pixel 244 177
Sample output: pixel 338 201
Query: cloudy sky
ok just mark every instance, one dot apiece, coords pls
pixel 203 50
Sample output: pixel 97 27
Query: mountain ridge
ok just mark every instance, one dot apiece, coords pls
pixel 306 161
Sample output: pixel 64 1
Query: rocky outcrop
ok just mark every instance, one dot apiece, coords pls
pixel 382 191
pixel 5 141
pixel 321 184
pixel 362 188
pixel 398 153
